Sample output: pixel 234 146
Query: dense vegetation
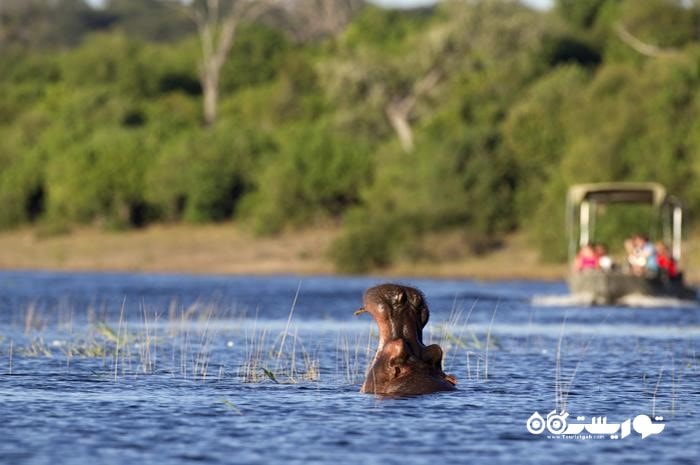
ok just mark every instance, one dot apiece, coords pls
pixel 472 116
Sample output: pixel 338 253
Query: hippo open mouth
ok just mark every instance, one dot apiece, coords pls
pixel 403 365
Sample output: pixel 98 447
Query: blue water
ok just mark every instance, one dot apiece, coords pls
pixel 131 368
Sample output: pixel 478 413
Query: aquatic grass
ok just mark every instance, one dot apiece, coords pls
pixel 118 340
pixel 202 358
pixel 488 338
pixel 187 343
pixel 263 362
pixel 190 347
pixel 656 390
pixel 674 386
pixel 280 366
pixel 352 359
pixel 254 354
pixel 10 357
pixel 33 319
pixel 279 363
pixel 477 369
pixel 189 335
pixel 563 390
pixel 191 339
pixel 289 321
pixel 458 337
pixel 558 396
pixel 37 348
pixel 450 338
pixel 147 356
pixel 232 406
pixel 87 349
pixel 66 315
pixel 675 380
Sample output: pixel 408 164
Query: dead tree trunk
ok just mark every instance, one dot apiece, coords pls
pixel 216 28
pixel 399 109
pixel 218 20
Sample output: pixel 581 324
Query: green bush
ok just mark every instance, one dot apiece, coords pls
pixel 22 172
pixel 537 129
pixel 203 174
pixel 317 174
pixel 21 191
pixel 99 179
pixel 508 107
pixel 368 244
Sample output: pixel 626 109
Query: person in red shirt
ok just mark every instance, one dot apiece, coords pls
pixel 666 262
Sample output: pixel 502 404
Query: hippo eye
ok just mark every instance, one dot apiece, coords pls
pixel 397 372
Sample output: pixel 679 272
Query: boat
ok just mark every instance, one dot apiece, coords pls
pixel 587 205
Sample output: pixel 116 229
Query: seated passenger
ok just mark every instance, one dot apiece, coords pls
pixel 586 259
pixel 605 262
pixel 641 255
pixel 649 253
pixel 667 265
pixel 635 260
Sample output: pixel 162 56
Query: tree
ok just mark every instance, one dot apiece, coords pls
pixel 400 108
pixel 410 60
pixel 152 20
pixel 312 19
pixel 42 23
pixel 217 23
pixel 581 13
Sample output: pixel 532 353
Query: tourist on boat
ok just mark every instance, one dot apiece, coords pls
pixel 635 259
pixel 586 258
pixel 667 265
pixel 649 252
pixel 605 261
pixel 631 255
pixel 641 255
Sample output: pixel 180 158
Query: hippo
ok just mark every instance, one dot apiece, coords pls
pixel 403 365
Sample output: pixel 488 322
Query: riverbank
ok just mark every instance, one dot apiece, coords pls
pixel 229 249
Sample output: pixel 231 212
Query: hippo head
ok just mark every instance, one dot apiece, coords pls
pixel 403 365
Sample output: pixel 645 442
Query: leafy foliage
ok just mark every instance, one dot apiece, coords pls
pixel 101 119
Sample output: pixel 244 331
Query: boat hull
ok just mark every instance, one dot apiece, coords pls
pixel 605 288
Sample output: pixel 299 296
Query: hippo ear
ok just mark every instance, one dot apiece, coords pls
pixel 432 355
pixel 400 297
pixel 424 315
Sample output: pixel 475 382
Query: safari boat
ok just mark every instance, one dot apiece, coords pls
pixel 638 205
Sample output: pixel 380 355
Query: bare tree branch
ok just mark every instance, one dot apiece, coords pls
pixel 399 109
pixel 644 48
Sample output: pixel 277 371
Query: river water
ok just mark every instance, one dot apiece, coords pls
pixel 174 369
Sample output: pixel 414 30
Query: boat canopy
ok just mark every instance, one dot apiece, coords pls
pixel 618 192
